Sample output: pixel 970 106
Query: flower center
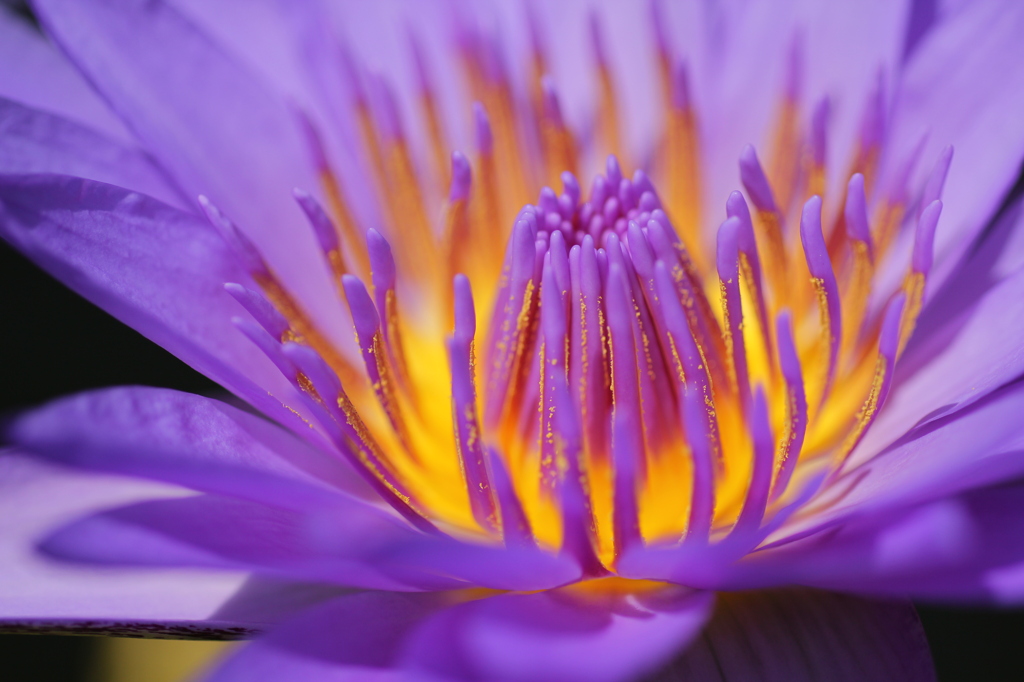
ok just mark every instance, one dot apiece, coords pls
pixel 635 384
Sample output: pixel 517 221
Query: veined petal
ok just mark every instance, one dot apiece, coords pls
pixel 159 270
pixel 217 128
pixel 38 594
pixel 186 440
pixel 801 635
pixel 33 141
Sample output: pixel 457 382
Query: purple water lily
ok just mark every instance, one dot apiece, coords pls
pixel 566 418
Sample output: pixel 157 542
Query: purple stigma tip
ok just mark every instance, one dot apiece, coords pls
pixel 681 86
pixel 658 25
pixel 813 240
pixel 571 187
pixel 322 224
pixel 597 40
pixel 924 237
pixel 856 210
pixel 244 249
pixel 552 109
pixel 819 131
pixel 936 179
pixel 382 262
pixel 727 255
pixel 461 177
pixel 794 68
pixel 754 180
pixel 613 171
pixel 388 117
pixel 313 140
pixel 364 315
pixel 482 129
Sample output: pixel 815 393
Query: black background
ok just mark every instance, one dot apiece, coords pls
pixel 54 342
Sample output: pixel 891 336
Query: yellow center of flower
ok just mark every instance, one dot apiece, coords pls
pixel 635 378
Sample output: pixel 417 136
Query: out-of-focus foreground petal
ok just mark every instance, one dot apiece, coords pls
pixel 801 635
pixel 543 636
pixel 37 594
pixel 157 269
pixel 216 126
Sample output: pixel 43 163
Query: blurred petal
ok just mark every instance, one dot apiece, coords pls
pixel 37 594
pixel 44 79
pixel 354 637
pixel 157 269
pixel 187 440
pixel 33 141
pixel 211 122
pixel 964 78
pixel 968 548
pixel 801 635
pixel 558 635
pixel 206 531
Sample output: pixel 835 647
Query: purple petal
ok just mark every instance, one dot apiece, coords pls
pixel 213 532
pixel 45 80
pixel 558 636
pixel 153 267
pixel 970 354
pixel 217 128
pixel 39 594
pixel 967 548
pixel 187 440
pixel 33 141
pixel 351 638
pixel 806 636
pixel 971 448
pixel 958 85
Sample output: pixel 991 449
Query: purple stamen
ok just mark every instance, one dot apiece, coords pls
pixel 482 130
pixel 936 179
pixel 820 266
pixel 702 500
pixel 552 108
pixel 261 310
pixel 248 255
pixel 761 474
pixel 515 527
pixel 924 237
pixel 728 256
pixel 681 99
pixel 856 211
pixel 792 439
pixel 467 425
pixel 819 132
pixel 750 262
pixel 462 178
pixel 323 226
pixel 756 182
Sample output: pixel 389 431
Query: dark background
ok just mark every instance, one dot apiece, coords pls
pixel 54 342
